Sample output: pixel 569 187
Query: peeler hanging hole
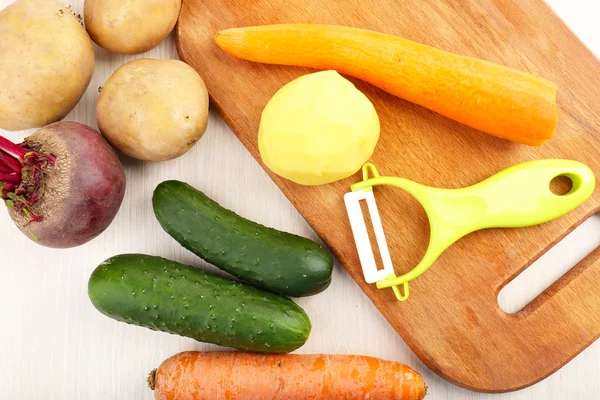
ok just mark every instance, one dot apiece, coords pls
pixel 561 185
pixel 369 171
pixel 401 294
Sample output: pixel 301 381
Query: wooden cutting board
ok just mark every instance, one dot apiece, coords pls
pixel 452 320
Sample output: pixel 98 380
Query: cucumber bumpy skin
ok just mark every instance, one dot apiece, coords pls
pixel 167 296
pixel 277 261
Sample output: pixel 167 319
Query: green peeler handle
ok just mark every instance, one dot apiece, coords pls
pixel 519 196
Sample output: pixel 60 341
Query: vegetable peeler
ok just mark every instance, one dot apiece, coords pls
pixel 518 196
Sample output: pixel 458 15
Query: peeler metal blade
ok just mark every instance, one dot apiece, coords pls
pixel 363 244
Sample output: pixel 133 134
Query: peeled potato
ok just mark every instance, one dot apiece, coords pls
pixel 46 63
pixel 318 129
pixel 130 26
pixel 153 110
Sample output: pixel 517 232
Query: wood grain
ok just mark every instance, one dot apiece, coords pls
pixel 56 346
pixel 452 320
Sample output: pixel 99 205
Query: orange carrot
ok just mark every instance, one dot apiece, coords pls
pixel 495 99
pixel 249 376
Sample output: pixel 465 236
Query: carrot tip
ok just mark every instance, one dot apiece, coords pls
pixel 151 379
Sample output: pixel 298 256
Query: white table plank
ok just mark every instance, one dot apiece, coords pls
pixel 56 346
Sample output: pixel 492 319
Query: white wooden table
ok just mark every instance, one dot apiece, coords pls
pixel 55 346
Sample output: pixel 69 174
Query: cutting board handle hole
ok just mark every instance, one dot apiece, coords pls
pixel 561 185
pixel 523 291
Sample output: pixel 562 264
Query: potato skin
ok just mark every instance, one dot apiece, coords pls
pixel 46 63
pixel 153 110
pixel 130 26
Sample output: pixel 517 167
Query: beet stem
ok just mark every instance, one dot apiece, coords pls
pixel 21 176
pixel 12 177
pixel 6 189
pixel 5 169
pixel 12 149
pixel 9 162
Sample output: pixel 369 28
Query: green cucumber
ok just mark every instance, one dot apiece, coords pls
pixel 277 261
pixel 167 296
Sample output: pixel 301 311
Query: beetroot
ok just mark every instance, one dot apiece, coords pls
pixel 63 185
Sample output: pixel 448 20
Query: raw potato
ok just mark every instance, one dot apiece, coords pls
pixel 318 129
pixel 153 110
pixel 130 26
pixel 46 63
